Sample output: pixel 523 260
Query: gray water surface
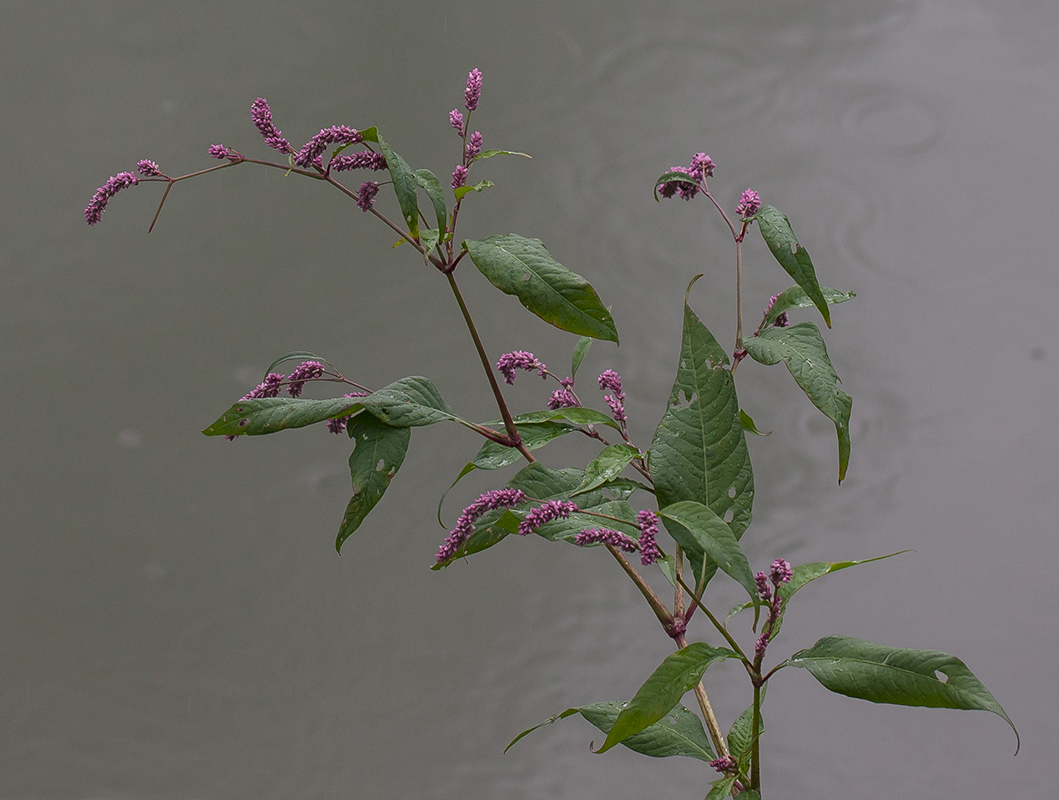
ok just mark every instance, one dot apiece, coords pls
pixel 173 617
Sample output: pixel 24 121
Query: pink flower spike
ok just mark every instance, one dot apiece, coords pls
pixel 498 498
pixel 606 536
pixel 474 89
pixel 98 204
pixel 546 512
pixel 519 359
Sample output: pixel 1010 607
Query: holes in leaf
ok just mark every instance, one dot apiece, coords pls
pixel 941 676
pixel 729 515
pixel 794 248
pixel 731 492
pixel 380 466
pixel 242 423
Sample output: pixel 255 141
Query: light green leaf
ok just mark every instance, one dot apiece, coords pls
pixel 896 675
pixel 478 187
pixel 607 465
pixel 265 415
pixel 802 349
pixel 674 677
pixel 490 153
pixel 795 297
pixel 494 455
pixel 378 453
pixel 723 788
pixel 432 186
pixel 712 535
pixel 580 351
pixel 749 426
pixel 778 235
pixel 524 268
pixel 297 355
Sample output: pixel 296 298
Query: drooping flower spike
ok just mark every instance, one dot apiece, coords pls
pixel 98 203
pixel 498 498
pixel 546 512
pixel 520 359
pixel 473 91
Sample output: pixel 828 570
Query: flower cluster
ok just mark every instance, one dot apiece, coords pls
pixel 270 387
pixel 702 166
pixel 148 168
pixel 768 589
pixel 366 195
pixel 686 189
pixel 546 512
pixel 519 359
pixel 474 147
pixel 306 371
pixel 725 764
pixel 562 398
pixel 648 523
pixel 612 380
pixel 606 536
pixel 473 91
pixel 749 204
pixel 98 204
pixel 459 177
pixel 364 160
pixel 219 151
pixel 313 149
pixel 261 114
pixel 782 320
pixel 456 120
pixel 498 498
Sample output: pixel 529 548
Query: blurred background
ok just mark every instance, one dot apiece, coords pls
pixel 174 620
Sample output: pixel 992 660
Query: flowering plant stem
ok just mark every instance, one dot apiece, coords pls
pixel 697 468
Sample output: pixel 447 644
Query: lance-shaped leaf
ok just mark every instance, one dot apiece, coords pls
pixel 896 675
pixel 379 450
pixel 740 736
pixel 723 788
pixel 580 351
pixel 776 231
pixel 494 455
pixel 297 355
pixel 404 182
pixel 678 733
pixel 607 465
pixel 432 186
pixel 522 267
pixel 795 297
pixel 576 415
pixel 712 535
pixel 802 349
pixel 671 177
pixel 674 677
pixel 408 403
pixel 490 153
pixel 271 414
pixel 478 187
pixel 749 425
pixel 699 448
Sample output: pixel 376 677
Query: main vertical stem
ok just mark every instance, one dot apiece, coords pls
pixel 755 742
pixel 505 414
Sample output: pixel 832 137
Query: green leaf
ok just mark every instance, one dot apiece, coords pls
pixel 494 455
pixel 739 735
pixel 463 190
pixel 378 453
pixel 795 297
pixel 712 535
pixel 802 349
pixel 524 268
pixel 297 355
pixel 271 414
pixel 678 733
pixel 723 788
pixel 699 448
pixel 432 186
pixel 607 465
pixel 896 675
pixel 567 529
pixel 468 468
pixel 562 715
pixel 749 426
pixel 490 153
pixel 778 235
pixel 404 186
pixel 674 677
pixel 670 177
pixel 580 351
pixel 576 415
pixel 408 402
pixel 429 238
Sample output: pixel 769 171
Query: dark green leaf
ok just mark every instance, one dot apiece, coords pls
pixel 408 402
pixel 778 235
pixel 739 736
pixel 569 528
pixel 712 535
pixel 404 186
pixel 271 414
pixel 494 455
pixel 896 675
pixel 607 465
pixel 491 153
pixel 580 351
pixel 576 415
pixel 674 677
pixel 469 468
pixel 378 453
pixel 463 190
pixel 432 186
pixel 670 177
pixel 678 733
pixel 524 268
pixel 723 788
pixel 795 297
pixel 699 449
pixel 562 715
pixel 749 426
pixel 802 349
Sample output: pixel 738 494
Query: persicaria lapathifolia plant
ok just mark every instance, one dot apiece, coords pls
pixel 696 471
